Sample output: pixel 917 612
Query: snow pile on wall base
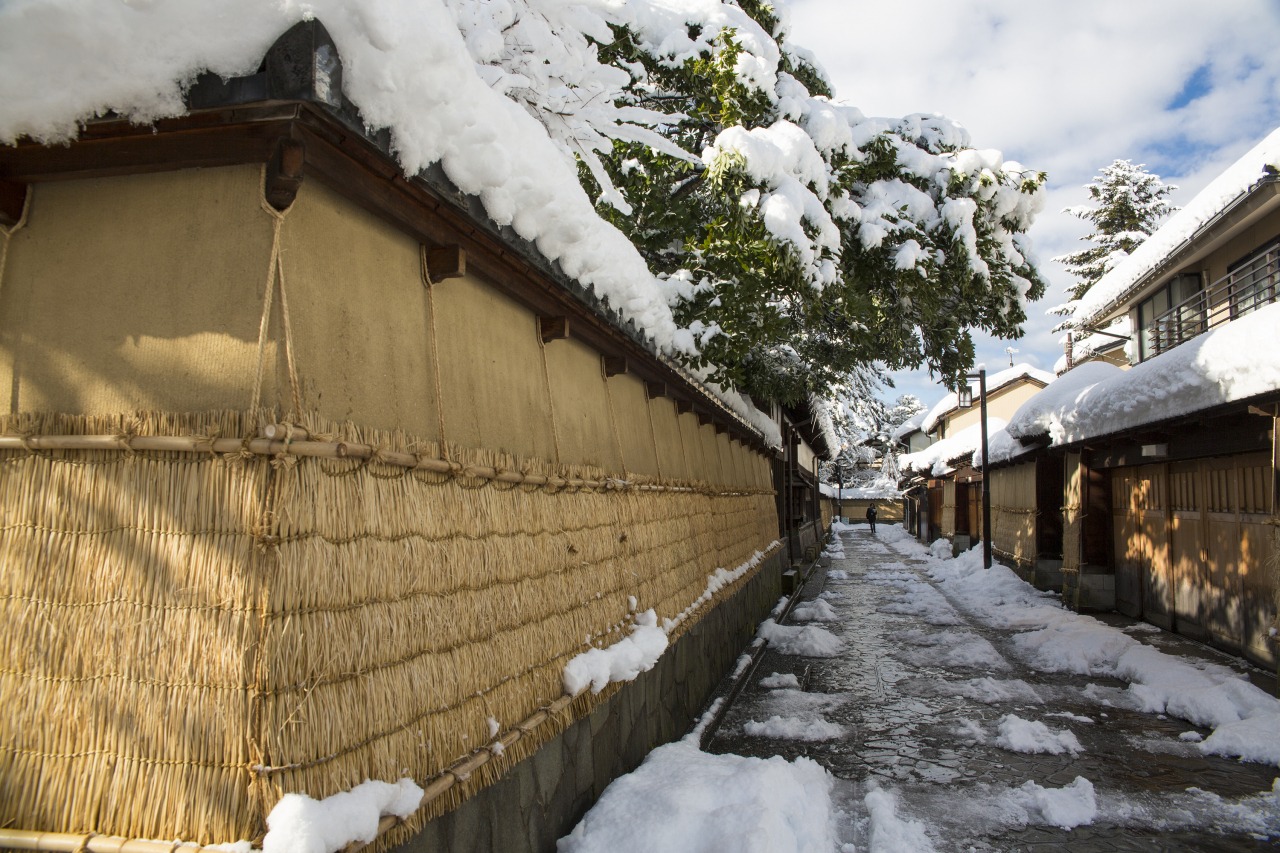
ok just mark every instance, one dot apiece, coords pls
pixel 817 610
pixel 639 652
pixel 622 661
pixel 299 824
pixel 687 800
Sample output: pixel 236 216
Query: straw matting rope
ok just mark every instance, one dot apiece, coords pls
pixel 613 418
pixel 134 444
pixel 435 347
pixel 546 383
pixel 275 272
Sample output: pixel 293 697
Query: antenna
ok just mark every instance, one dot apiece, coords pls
pixel 1010 351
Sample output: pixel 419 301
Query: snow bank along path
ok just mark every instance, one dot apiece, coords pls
pixel 1244 719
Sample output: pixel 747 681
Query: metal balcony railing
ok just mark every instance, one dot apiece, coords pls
pixel 1246 288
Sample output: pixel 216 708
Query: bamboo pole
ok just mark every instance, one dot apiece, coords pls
pixel 355 451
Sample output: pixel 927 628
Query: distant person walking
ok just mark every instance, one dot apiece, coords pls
pixel 871 517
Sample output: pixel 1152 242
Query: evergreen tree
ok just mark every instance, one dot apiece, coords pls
pixel 1129 203
pixel 798 239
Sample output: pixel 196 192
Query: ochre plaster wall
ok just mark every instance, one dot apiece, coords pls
pixel 359 316
pixel 109 304
pixel 146 293
pixel 583 417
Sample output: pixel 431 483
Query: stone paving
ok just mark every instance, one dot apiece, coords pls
pixel 908 690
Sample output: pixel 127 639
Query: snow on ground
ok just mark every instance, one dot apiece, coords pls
pixel 683 799
pixel 1245 720
pixel 993 691
pixel 778 680
pixel 1067 807
pixel 1019 735
pixel 795 728
pixel 962 649
pixel 817 610
pixel 804 640
pixel 891 833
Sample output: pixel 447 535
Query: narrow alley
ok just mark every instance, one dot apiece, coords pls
pixel 951 722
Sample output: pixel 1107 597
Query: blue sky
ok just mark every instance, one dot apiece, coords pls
pixel 1184 86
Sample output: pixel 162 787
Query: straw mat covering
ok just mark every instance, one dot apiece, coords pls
pixel 189 635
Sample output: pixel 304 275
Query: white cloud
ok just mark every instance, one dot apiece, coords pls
pixel 1063 87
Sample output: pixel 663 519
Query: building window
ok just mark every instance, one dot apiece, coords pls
pixel 1158 328
pixel 1251 281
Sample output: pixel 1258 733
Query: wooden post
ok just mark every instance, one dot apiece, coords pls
pixel 442 262
pixel 553 328
pixel 986 470
pixel 13 197
pixel 284 173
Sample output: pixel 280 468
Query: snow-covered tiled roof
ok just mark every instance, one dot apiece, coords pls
pixel 1097 399
pixel 995 382
pixel 908 426
pixel 935 460
pixel 1234 184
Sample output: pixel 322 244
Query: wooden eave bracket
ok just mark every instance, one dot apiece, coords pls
pixel 683 407
pixel 13 196
pixel 284 173
pixel 613 365
pixel 655 389
pixel 553 328
pixel 443 262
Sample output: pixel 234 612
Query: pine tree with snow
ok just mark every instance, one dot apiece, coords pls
pixel 796 238
pixel 1128 204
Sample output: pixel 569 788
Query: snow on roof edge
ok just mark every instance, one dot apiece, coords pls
pixel 1098 399
pixel 1233 185
pixel 995 382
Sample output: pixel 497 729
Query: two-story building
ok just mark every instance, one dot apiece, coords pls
pixel 1169 469
pixel 944 487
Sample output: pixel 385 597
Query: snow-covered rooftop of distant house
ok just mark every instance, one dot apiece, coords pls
pixel 880 489
pixel 995 381
pixel 441 90
pixel 1114 287
pixel 1221 366
pixel 1089 346
pixel 935 460
pixel 908 426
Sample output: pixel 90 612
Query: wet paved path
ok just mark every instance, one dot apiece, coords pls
pixel 918 693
